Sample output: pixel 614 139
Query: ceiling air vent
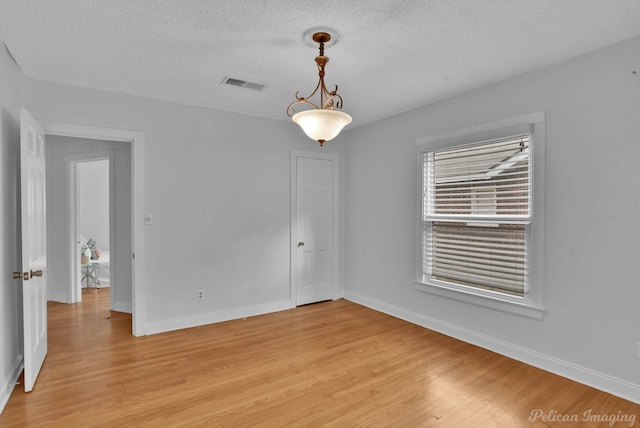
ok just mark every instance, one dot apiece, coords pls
pixel 242 83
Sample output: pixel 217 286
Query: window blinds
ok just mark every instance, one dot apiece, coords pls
pixel 477 202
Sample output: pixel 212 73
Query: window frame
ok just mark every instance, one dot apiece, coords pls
pixel 531 304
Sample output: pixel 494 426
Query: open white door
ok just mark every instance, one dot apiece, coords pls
pixel 34 246
pixel 314 230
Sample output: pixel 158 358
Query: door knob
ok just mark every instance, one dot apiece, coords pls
pixel 36 273
pixel 16 275
pixel 300 244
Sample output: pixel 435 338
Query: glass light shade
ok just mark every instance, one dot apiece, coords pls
pixel 322 124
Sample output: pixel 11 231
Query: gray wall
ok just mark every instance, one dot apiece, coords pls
pixel 592 204
pixel 218 187
pixel 11 94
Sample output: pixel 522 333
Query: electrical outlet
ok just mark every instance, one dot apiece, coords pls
pixel 200 295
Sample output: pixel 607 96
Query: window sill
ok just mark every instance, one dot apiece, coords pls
pixel 496 301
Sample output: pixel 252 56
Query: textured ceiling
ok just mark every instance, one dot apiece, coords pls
pixel 392 56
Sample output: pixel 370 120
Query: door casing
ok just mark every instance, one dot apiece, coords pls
pixel 136 139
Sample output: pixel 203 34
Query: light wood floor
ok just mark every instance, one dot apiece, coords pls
pixel 330 364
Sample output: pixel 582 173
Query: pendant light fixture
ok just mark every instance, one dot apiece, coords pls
pixel 324 121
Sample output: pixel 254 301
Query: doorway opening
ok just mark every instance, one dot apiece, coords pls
pixel 126 265
pixel 85 179
pixel 92 208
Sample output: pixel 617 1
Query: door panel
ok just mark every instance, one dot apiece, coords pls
pixel 314 230
pixel 34 246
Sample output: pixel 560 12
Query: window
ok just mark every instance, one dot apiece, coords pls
pixel 477 223
pixel 476 211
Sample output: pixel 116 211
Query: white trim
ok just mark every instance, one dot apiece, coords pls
pixel 483 131
pixel 14 377
pixel 602 381
pixel 154 327
pixel 125 307
pixel 295 154
pixel 487 299
pixel 57 297
pixel 71 215
pixel 137 202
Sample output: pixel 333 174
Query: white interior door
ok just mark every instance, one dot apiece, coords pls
pixel 34 246
pixel 314 230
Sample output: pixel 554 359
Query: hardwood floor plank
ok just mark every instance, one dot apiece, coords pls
pixel 330 364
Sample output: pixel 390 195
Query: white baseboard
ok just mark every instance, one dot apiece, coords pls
pixel 57 297
pixel 122 307
pixel 612 385
pixel 7 388
pixel 163 326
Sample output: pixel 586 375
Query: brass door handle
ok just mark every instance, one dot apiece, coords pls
pixel 24 276
pixel 36 273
